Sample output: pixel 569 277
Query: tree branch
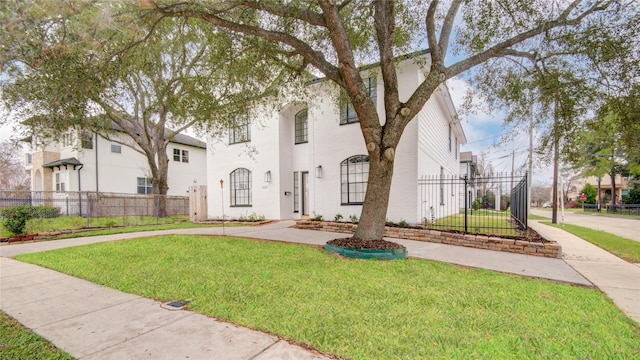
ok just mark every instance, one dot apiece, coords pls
pixel 447 25
pixel 495 51
pixel 316 58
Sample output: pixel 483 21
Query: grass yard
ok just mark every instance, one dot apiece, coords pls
pixel 117 225
pixel 408 309
pixel 621 247
pixel 18 342
pixel 479 222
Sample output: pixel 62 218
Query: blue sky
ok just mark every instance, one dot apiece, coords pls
pixel 485 128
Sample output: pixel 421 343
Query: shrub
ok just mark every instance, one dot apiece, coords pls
pixel 317 217
pixel 255 217
pixel 572 204
pixel 403 223
pixel 338 217
pixel 15 218
pixel 476 204
pixel 389 223
pixel 44 212
pixel 353 218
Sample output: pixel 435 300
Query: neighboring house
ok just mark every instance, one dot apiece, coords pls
pixel 310 159
pixel 469 170
pixel 84 161
pixel 578 182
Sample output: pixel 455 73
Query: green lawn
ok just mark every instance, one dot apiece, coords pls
pixel 482 221
pixel 621 247
pixel 408 309
pixel 18 342
pixel 116 225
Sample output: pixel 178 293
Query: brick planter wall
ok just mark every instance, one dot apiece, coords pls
pixel 550 249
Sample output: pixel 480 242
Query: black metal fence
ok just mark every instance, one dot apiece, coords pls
pixel 495 205
pixel 95 204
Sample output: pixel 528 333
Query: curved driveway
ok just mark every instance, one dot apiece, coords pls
pixel 625 227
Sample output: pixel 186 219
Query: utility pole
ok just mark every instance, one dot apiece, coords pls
pixel 513 162
pixel 556 141
pixel 530 174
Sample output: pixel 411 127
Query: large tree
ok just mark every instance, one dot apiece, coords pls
pixel 100 68
pixel 337 38
pixel 12 172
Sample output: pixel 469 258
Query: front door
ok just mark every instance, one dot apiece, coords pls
pixel 305 193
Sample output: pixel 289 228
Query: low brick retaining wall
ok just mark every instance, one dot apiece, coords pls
pixel 550 249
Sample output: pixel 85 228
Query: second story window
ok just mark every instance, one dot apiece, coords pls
pixel 347 111
pixel 67 139
pixel 86 140
pixel 240 133
pixel 301 127
pixel 181 155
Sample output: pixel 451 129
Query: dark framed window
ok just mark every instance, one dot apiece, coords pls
pixel 145 185
pixel 296 192
pixel 240 133
pixel 354 174
pixel 116 148
pixel 86 140
pixel 347 112
pixel 240 187
pixel 181 155
pixel 302 127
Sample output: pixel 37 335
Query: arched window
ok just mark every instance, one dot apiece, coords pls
pixel 240 187
pixel 301 127
pixel 354 173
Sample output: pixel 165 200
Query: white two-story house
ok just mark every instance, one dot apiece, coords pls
pixel 85 161
pixel 310 158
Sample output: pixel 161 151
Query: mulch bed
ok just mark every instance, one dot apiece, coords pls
pixel 533 236
pixel 355 243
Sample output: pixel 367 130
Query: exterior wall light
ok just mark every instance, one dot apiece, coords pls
pixel 319 171
pixel 267 176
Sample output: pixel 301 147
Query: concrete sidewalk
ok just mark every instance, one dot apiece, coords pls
pixel 617 278
pixel 93 322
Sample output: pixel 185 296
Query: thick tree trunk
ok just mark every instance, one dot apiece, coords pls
pixel 376 201
pixel 160 172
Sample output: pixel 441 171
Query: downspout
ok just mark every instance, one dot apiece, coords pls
pixel 80 189
pixel 96 151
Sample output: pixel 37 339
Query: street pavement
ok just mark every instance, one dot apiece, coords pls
pixel 94 322
pixel 626 227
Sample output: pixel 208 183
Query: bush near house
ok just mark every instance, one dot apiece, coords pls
pixel 15 218
pixel 44 212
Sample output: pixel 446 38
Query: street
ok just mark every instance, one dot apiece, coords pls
pixel 627 228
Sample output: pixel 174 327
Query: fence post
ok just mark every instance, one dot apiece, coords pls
pixel 465 204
